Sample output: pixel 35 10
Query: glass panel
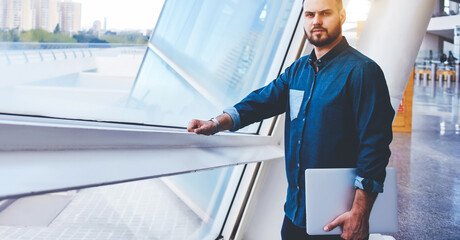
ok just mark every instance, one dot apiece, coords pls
pixel 209 54
pixel 189 206
pixel 162 95
pixel 219 49
pixel 72 59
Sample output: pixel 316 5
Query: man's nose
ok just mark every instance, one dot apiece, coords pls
pixel 317 20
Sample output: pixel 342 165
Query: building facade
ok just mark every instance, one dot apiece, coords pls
pixel 70 16
pixel 40 14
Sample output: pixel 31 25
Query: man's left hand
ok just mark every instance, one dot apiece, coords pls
pixel 355 225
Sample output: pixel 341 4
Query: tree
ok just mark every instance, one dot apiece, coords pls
pixel 57 29
pixel 39 35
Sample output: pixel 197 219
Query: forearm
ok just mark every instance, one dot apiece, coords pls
pixel 363 202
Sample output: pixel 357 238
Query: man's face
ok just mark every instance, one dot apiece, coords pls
pixel 322 21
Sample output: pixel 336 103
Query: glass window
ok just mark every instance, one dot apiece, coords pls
pixel 188 206
pixel 203 56
pixel 220 50
pixel 73 59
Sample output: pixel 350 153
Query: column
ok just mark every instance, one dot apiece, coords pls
pixel 392 37
pixel 453 7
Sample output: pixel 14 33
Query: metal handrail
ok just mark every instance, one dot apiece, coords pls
pixel 11 46
pixel 25 52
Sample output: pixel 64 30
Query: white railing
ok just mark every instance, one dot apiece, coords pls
pixel 20 53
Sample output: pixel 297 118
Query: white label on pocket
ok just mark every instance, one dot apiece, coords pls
pixel 295 101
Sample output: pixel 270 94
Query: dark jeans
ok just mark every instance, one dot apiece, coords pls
pixel 289 231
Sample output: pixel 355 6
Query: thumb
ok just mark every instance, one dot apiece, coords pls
pixel 337 222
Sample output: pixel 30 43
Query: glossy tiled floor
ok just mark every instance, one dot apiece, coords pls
pixel 428 165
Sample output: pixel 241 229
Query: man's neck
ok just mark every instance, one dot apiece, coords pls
pixel 321 51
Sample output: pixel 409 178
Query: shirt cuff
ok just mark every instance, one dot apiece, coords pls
pixel 368 185
pixel 235 117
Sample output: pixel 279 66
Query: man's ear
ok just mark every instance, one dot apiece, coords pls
pixel 343 16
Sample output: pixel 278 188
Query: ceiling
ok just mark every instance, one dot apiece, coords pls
pixel 447 34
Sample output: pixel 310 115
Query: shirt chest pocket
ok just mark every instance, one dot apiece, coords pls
pixel 295 102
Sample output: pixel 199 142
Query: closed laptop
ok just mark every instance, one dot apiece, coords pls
pixel 330 191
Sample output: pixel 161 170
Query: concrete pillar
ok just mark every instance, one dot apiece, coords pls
pixel 449 81
pixel 440 80
pixel 395 48
pixel 433 80
pixel 425 80
pixel 453 7
pixel 457 78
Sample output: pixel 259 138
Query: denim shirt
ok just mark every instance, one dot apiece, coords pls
pixel 337 117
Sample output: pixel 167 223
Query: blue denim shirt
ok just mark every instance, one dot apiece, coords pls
pixel 338 117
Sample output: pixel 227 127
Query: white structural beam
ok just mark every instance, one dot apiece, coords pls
pixel 26 173
pixel 444 23
pixel 392 37
pixel 38 156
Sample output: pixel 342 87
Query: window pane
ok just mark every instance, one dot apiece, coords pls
pixel 205 55
pixel 72 59
pixel 221 50
pixel 190 206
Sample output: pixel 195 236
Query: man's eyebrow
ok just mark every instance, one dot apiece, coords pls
pixel 320 11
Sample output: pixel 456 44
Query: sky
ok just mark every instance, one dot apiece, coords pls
pixel 121 15
pixel 143 14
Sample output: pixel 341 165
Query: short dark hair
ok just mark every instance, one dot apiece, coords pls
pixel 339 4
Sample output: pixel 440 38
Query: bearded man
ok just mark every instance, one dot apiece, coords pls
pixel 339 116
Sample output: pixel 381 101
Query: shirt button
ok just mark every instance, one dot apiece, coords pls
pixel 297 187
pixel 298 142
pixel 298 165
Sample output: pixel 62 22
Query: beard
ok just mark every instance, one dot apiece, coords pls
pixel 319 40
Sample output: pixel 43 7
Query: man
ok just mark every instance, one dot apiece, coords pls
pixel 338 115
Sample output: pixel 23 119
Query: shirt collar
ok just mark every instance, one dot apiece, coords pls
pixel 342 45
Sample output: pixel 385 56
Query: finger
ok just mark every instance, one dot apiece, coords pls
pixel 193 125
pixel 204 129
pixel 199 130
pixel 336 222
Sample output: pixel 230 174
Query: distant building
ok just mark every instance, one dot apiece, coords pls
pixel 45 14
pixel 70 16
pixel 40 14
pixel 97 26
pixel 15 14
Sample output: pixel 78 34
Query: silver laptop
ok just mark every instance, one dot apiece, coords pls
pixel 330 192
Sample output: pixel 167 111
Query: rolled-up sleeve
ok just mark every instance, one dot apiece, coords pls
pixel 373 115
pixel 235 118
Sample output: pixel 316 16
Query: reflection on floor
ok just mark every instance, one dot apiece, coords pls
pixel 137 210
pixel 427 161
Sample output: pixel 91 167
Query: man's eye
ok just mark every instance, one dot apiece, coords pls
pixel 309 14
